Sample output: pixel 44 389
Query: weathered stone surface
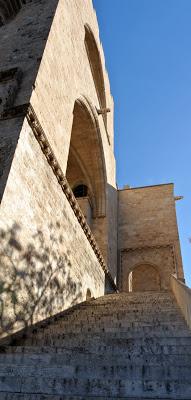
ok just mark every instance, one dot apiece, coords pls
pixel 43 273
pixel 148 234
pixel 56 133
pixel 118 346
pixel 30 44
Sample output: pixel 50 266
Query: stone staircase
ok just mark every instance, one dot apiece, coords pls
pixel 120 346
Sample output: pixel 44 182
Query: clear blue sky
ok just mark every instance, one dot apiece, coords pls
pixel 147 45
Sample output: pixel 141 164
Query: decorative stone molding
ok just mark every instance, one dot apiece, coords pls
pixel 49 154
pixel 147 247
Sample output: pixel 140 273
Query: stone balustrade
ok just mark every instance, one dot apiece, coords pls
pixel 183 296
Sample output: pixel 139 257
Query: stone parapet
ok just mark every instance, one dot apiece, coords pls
pixel 183 297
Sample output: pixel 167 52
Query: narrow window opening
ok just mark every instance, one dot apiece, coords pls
pixel 80 191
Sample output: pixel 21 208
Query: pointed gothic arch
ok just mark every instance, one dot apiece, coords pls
pixel 86 162
pixel 86 166
pixel 96 68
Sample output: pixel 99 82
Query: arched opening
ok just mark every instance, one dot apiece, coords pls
pixel 86 168
pixel 88 294
pixel 83 196
pixel 80 191
pixel 144 277
pixel 96 69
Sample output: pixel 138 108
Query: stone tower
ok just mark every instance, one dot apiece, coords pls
pixel 148 240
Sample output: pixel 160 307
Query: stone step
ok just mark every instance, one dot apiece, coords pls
pixel 70 337
pixel 133 346
pixel 118 309
pixel 75 356
pixel 115 320
pixel 167 345
pixel 133 327
pixel 112 326
pixel 117 338
pixel 20 396
pixel 102 369
pixel 100 312
pixel 137 295
pixel 178 323
pixel 97 387
pixel 97 314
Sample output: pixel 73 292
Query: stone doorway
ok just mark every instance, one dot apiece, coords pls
pixel 144 277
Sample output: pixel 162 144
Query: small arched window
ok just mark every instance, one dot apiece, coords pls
pixel 80 191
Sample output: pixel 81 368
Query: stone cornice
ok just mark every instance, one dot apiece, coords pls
pixel 155 246
pixel 49 154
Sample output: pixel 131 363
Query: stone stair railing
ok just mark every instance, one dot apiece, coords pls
pixel 182 294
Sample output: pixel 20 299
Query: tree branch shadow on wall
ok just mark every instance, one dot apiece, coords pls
pixel 35 280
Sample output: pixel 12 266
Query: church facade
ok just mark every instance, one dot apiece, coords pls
pixel 67 232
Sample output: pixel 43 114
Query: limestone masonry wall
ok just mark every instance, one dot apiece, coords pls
pixel 48 264
pixel 45 42
pixel 63 80
pixel 148 233
pixel 52 58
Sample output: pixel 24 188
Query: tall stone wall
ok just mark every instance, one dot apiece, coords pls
pixel 47 261
pixel 45 42
pixel 59 85
pixel 148 234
